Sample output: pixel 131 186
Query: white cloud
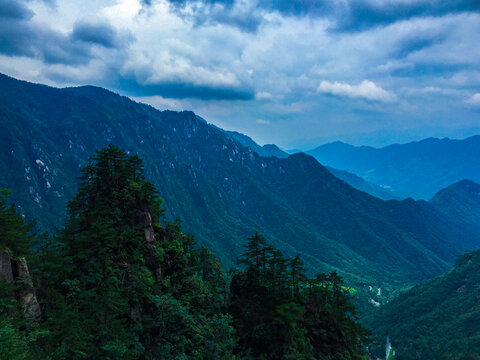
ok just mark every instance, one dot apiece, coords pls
pixel 474 100
pixel 262 122
pixel 263 95
pixel 365 90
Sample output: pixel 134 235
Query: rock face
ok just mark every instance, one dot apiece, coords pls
pixel 17 270
pixel 6 273
pixel 149 233
pixel 30 305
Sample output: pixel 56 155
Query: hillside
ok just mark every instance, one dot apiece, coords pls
pixel 351 179
pixel 460 201
pixel 265 150
pixel 436 320
pixel 223 190
pixel 358 183
pixel 417 169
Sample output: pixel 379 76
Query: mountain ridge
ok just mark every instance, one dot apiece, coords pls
pixel 223 190
pixel 417 169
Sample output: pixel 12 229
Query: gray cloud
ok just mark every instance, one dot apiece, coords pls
pixel 240 14
pixel 21 36
pixel 183 89
pixel 14 10
pixel 102 34
pixel 17 38
pixel 349 15
pixel 365 14
pixel 416 41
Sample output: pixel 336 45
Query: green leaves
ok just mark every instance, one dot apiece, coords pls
pixel 279 312
pixel 15 235
pixel 127 294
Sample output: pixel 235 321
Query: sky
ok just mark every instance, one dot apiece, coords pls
pixel 290 72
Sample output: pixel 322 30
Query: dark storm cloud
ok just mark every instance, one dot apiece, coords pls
pixel 182 90
pixel 102 34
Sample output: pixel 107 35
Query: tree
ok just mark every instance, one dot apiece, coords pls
pixel 16 235
pixel 128 285
pixel 280 313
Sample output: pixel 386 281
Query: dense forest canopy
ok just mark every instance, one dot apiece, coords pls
pixel 120 282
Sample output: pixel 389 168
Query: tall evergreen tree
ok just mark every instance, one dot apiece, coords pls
pixel 279 313
pixel 127 284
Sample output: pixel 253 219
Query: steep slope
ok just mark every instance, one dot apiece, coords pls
pixel 417 169
pixel 265 150
pixel 351 179
pixel 436 320
pixel 358 183
pixel 460 201
pixel 223 190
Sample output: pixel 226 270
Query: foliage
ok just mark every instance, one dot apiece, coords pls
pixel 127 286
pixel 15 236
pixel 434 320
pixel 280 313
pixel 119 282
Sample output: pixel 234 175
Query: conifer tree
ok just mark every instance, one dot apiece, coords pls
pixel 129 286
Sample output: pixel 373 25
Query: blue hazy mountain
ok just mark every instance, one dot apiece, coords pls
pixel 417 169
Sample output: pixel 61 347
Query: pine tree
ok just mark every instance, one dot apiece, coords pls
pixel 129 286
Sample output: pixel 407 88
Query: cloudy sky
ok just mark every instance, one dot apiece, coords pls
pixel 291 72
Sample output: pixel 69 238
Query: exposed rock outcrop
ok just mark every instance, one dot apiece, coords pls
pixel 149 233
pixel 30 305
pixel 17 270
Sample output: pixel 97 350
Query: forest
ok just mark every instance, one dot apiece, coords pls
pixel 118 281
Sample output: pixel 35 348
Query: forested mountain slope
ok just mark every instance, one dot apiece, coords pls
pixel 223 190
pixel 436 320
pixel 351 179
pixel 461 202
pixel 417 169
pixel 358 183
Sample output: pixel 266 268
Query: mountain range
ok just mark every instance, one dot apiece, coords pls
pixel 223 190
pixel 351 179
pixel 418 169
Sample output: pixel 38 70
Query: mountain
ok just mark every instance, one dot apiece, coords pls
pixel 417 169
pixel 436 320
pixel 351 179
pixel 265 150
pixel 460 201
pixel 358 183
pixel 223 190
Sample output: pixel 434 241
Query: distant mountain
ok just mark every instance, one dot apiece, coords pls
pixel 460 200
pixel 358 183
pixel 351 179
pixel 222 190
pixel 437 320
pixel 417 169
pixel 265 150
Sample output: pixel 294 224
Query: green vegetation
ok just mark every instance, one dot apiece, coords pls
pixel 120 282
pixel 435 320
pixel 222 190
